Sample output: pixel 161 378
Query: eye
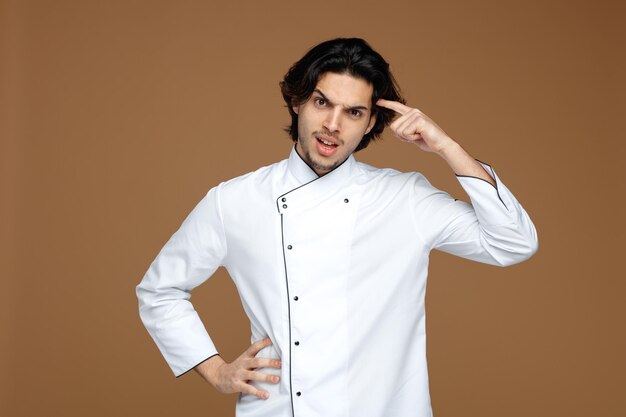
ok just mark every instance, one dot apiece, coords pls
pixel 319 101
pixel 355 113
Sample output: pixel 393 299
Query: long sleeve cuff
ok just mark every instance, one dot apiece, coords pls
pixel 493 205
pixel 179 375
pixel 499 212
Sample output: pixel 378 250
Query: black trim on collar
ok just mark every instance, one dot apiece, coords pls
pixel 319 176
pixel 307 183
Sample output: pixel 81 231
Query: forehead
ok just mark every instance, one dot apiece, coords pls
pixel 345 89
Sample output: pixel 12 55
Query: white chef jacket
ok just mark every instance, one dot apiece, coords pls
pixel 333 269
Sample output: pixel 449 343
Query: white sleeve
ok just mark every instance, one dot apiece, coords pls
pixel 493 229
pixel 187 260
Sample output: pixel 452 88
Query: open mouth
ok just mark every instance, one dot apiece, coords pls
pixel 326 142
pixel 325 146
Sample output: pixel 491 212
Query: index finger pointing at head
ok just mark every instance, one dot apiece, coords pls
pixel 393 105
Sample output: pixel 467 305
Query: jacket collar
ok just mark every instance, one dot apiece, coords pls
pixel 310 186
pixel 305 174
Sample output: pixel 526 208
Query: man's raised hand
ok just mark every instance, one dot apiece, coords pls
pixel 415 127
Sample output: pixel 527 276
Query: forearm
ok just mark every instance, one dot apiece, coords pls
pixel 463 163
pixel 504 233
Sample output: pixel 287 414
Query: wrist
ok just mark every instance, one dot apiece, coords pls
pixel 449 149
pixel 208 369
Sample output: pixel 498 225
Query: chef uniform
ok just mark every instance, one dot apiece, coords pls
pixel 333 269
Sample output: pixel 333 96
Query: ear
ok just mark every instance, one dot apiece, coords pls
pixel 371 124
pixel 295 107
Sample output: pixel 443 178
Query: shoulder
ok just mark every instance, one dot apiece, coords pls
pixel 253 189
pixel 391 176
pixel 410 187
pixel 255 179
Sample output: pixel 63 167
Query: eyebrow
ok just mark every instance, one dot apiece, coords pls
pixel 357 107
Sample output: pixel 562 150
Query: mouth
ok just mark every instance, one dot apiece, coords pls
pixel 326 139
pixel 326 146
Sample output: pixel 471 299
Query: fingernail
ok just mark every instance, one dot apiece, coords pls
pixel 266 395
pixel 276 379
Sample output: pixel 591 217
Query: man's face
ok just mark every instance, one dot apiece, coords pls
pixel 332 122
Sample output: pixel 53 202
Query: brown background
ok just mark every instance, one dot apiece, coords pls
pixel 118 116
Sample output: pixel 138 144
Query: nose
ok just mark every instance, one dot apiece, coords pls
pixel 333 119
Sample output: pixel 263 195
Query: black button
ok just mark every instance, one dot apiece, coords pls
pixel 297 343
pixel 289 247
pixel 295 298
pixel 284 205
pixel 345 200
pixel 298 393
pixel 283 199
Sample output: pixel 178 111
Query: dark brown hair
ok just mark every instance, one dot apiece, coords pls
pixel 342 55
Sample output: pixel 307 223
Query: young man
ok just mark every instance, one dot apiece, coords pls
pixel 330 255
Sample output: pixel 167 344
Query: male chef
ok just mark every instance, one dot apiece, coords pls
pixel 330 255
